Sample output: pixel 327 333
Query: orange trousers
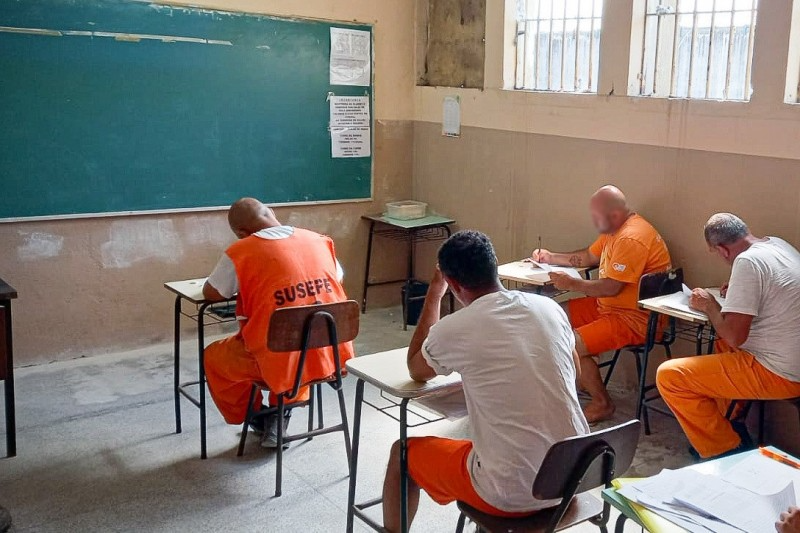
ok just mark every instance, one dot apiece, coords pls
pixel 230 373
pixel 699 389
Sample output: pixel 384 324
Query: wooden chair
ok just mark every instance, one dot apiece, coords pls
pixel 571 468
pixel 300 329
pixel 650 286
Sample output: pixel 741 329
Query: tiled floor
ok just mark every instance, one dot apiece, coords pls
pixel 97 452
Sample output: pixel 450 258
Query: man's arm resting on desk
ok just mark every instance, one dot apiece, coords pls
pixel 418 367
pixel 579 258
pixel 211 294
pixel 597 288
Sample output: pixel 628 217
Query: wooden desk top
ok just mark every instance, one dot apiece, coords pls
pixel 525 272
pixel 657 304
pixel 190 289
pixel 388 371
pixel 430 221
pixel 7 292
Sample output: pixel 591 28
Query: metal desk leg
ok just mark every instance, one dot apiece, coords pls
pixel 11 422
pixel 201 345
pixel 620 525
pixel 652 328
pixel 712 337
pixel 177 364
pixel 699 339
pixel 366 269
pixel 404 466
pixel 351 495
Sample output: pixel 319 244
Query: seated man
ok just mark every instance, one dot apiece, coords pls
pixel 758 321
pixel 515 353
pixel 609 317
pixel 270 267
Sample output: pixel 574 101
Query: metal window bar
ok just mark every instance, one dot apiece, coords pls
pixel 715 69
pixel 544 65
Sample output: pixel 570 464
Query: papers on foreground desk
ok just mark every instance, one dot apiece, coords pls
pixel 747 497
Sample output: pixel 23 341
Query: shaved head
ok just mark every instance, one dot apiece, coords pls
pixel 248 215
pixel 609 209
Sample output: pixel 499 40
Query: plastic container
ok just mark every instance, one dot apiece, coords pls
pixel 406 210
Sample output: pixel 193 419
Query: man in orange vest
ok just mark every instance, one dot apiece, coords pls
pixel 608 317
pixel 270 267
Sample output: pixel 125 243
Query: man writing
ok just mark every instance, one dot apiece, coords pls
pixel 515 354
pixel 608 318
pixel 270 267
pixel 758 322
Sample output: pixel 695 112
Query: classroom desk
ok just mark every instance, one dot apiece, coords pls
pixel 620 503
pixel 523 273
pixel 200 311
pixel 388 372
pixel 429 228
pixel 8 293
pixel 695 322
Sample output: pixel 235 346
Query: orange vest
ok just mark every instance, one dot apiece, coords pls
pixel 272 274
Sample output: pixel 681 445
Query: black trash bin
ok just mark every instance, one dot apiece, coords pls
pixel 417 290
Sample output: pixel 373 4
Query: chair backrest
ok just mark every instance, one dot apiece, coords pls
pixel 289 326
pixel 661 283
pixel 571 466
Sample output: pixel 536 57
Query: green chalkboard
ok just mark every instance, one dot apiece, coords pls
pixel 92 121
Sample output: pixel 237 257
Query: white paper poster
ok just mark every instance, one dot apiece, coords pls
pixel 350 126
pixel 351 58
pixel 451 116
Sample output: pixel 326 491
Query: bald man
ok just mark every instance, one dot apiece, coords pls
pixel 608 317
pixel 270 267
pixel 758 322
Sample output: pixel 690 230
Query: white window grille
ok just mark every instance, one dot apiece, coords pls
pixel 697 49
pixel 558 45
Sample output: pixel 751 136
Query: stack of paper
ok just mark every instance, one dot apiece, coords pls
pixel 539 268
pixel 749 497
pixel 680 301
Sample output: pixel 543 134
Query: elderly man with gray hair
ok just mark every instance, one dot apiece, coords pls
pixel 757 322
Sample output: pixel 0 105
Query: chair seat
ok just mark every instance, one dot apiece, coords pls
pixel 583 507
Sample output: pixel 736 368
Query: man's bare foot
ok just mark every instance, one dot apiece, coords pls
pixel 598 412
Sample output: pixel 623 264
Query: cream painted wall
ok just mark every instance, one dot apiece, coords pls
pixel 94 286
pixel 765 126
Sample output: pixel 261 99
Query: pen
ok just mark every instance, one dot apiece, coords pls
pixel 783 459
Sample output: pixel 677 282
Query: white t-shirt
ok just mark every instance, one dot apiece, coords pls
pixel 765 283
pixel 514 353
pixel 224 279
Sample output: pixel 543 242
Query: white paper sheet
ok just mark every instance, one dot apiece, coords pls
pixel 451 116
pixel 351 57
pixel 349 111
pixel 351 134
pixel 763 475
pixel 350 142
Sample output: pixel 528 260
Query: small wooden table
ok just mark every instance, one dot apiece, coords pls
pixel 388 371
pixel 524 273
pixel 429 228
pixel 191 292
pixel 8 293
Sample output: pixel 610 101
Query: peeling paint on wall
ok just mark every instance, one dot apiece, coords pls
pixel 39 245
pixel 208 230
pixel 133 241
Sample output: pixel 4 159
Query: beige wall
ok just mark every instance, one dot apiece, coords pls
pixel 95 285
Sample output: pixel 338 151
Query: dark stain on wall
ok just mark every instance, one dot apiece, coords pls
pixel 455 44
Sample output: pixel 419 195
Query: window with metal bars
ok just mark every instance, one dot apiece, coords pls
pixel 558 45
pixel 697 49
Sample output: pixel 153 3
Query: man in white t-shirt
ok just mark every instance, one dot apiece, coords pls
pixel 516 356
pixel 758 322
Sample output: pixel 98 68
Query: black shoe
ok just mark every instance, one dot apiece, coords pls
pixel 270 438
pixel 258 424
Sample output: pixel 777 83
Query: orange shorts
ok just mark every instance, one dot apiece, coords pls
pixel 600 331
pixel 439 467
